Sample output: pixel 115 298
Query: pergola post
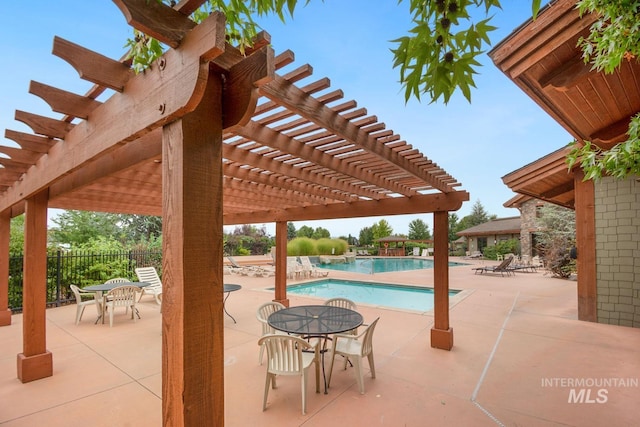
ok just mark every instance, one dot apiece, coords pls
pixel 586 247
pixel 281 263
pixel 5 233
pixel 192 312
pixel 441 333
pixel 35 362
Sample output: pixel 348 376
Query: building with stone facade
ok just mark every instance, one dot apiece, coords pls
pixel 542 57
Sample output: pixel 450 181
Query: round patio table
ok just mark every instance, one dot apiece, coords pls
pixel 228 288
pixel 106 287
pixel 315 321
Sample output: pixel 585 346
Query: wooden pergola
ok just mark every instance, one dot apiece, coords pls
pixel 206 137
pixel 543 59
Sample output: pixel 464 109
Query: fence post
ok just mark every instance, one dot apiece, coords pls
pixel 58 276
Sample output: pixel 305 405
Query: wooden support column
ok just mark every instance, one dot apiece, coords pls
pixel 441 333
pixel 5 233
pixel 192 275
pixel 586 247
pixel 281 263
pixel 35 362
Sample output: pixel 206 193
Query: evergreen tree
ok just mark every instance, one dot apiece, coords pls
pixel 365 238
pixel 419 230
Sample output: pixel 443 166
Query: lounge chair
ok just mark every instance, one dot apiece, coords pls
pixel 294 269
pixel 150 275
pixel 311 269
pixel 501 268
pixel 250 270
pixel 475 254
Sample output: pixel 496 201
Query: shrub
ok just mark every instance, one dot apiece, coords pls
pixel 332 246
pixel 301 246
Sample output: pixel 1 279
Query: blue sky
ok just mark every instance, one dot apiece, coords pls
pixel 347 41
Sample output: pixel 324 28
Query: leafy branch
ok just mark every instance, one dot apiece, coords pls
pixel 620 161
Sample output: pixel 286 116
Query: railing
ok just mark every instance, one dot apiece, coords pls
pixel 78 268
pixel 370 260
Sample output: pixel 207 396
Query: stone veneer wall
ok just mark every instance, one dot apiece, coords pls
pixel 528 214
pixel 617 215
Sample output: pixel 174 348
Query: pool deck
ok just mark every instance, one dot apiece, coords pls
pixel 517 348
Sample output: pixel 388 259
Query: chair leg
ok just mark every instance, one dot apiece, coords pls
pixel 357 363
pixel 79 311
pixel 317 363
pixel 261 355
pixel 267 383
pixel 372 365
pixel 304 391
pixel 333 356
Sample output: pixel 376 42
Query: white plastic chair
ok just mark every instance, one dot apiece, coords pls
pixel 355 349
pixel 81 304
pixel 122 296
pixel 262 314
pixel 285 356
pixel 294 268
pixel 150 275
pixel 118 280
pixel 344 303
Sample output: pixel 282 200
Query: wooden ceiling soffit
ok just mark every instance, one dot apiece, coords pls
pixel 556 24
pixel 551 164
pixel 612 134
pixel 566 76
pixel 558 190
pixel 391 206
pixel 283 92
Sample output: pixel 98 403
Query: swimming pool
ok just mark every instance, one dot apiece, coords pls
pixel 382 294
pixel 384 265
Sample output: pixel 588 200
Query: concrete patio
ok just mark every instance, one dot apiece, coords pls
pixel 520 357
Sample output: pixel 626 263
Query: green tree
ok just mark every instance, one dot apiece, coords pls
pixel 556 237
pixel 305 231
pixel 477 216
pixel 247 239
pixel 419 230
pixel 381 229
pixel 439 55
pixel 365 238
pixel 140 227
pixel 291 231
pixel 79 227
pixel 453 223
pixel 321 233
pixel 16 235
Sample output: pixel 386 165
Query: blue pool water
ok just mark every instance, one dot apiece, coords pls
pixel 382 294
pixel 384 265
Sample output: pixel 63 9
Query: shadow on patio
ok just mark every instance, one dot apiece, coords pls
pixel 517 348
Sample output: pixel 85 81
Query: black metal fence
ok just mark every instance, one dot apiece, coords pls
pixel 66 268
